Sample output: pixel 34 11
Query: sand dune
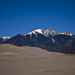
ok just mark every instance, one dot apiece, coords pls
pixel 34 61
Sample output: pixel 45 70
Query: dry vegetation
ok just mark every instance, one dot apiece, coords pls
pixel 34 61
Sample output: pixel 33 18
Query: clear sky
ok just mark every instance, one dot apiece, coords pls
pixel 20 16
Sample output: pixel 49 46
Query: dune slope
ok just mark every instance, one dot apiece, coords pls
pixel 34 61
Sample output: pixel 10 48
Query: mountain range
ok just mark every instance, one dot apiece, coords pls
pixel 48 39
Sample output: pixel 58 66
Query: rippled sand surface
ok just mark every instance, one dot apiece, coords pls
pixel 34 61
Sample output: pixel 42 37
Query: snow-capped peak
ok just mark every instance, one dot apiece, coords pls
pixel 38 31
pixel 45 32
pixel 34 32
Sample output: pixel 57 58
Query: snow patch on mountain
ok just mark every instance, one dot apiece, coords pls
pixel 6 37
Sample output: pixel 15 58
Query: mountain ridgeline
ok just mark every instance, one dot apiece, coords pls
pixel 47 39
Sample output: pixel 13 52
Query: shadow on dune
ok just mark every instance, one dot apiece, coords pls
pixel 65 51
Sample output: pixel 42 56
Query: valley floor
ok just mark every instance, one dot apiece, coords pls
pixel 34 61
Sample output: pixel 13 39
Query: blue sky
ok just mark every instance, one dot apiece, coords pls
pixel 20 16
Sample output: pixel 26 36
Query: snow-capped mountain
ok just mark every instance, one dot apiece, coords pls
pixel 44 38
pixel 45 32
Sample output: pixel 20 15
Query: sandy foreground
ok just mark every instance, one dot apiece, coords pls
pixel 34 61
